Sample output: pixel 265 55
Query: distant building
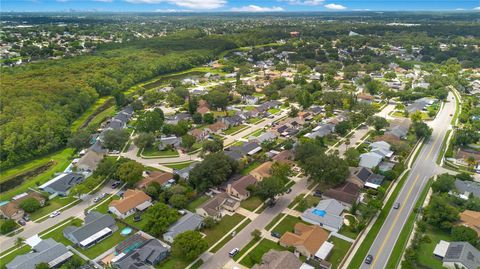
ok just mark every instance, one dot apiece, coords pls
pixel 12 209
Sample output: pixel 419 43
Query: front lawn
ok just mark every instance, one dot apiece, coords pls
pixel 252 203
pixel 54 204
pixel 57 234
pixel 178 166
pixel 254 120
pixel 287 224
pixel 234 129
pixel 255 256
pixel 102 206
pixel 309 201
pixel 222 228
pixel 339 251
pixel 275 220
pixel 154 152
pixel 425 250
pixel 273 110
pixel 8 258
pixel 250 167
pixel 197 202
pixel 172 263
pixel 229 237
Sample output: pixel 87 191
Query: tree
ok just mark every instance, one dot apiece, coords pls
pixel 188 141
pixel 281 170
pixel 144 140
pixel 444 183
pixel 105 167
pixel 137 105
pixel 421 130
pixel 343 127
pixel 217 98
pixel 326 168
pixel 352 156
pixel 208 118
pixel 377 122
pixel 197 118
pixel 115 139
pixel 440 213
pixel 8 226
pixel 212 171
pixel 304 98
pixel 42 265
pixel 150 121
pixel 256 234
pixel 464 176
pixel 214 145
pixel 293 112
pixel 30 205
pixel 80 139
pixel 416 116
pixel 209 222
pixel 270 187
pixel 130 172
pixel 464 234
pixel 178 201
pixel 189 245
pixel 158 218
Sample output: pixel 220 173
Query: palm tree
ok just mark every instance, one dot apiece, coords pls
pixel 19 241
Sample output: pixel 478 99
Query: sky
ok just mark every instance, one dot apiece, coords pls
pixel 237 5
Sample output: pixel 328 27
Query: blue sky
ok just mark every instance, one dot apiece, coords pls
pixel 236 5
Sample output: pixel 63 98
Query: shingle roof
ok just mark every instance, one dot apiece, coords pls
pixel 131 199
pixel 94 222
pixel 64 182
pixel 464 253
pixel 468 186
pixel 148 253
pixel 241 184
pixel 347 193
pixel 188 222
pixel 275 259
pixel 47 251
pixel 311 237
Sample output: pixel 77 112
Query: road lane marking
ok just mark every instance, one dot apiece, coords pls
pixel 394 222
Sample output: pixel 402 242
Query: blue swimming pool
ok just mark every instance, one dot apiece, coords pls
pixel 126 231
pixel 319 212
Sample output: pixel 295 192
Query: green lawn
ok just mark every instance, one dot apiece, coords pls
pixel 223 227
pixel 102 116
pixel 250 167
pixel 255 256
pixel 61 158
pixel 274 110
pixel 256 133
pixel 254 120
pixel 339 251
pixel 154 152
pixel 425 251
pixel 287 224
pixel 57 234
pixel 229 237
pixel 310 201
pixel 139 224
pixel 8 258
pixel 172 263
pixel 345 230
pixel 179 166
pixel 16 225
pixel 275 220
pixel 197 202
pixel 252 203
pixel 103 205
pixel 54 204
pixel 234 129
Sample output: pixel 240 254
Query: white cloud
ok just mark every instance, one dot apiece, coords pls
pixel 172 10
pixel 254 8
pixel 304 2
pixel 104 1
pixel 335 7
pixel 476 8
pixel 193 4
pixel 62 1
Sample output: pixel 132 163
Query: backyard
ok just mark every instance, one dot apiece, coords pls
pixel 425 250
pixel 197 202
pixel 339 251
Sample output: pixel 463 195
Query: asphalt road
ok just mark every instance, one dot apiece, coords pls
pixel 423 168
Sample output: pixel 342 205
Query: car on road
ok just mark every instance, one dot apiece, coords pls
pixel 369 259
pixel 100 197
pixel 115 184
pixel 22 222
pixel 289 190
pixel 396 206
pixel 54 214
pixel 275 234
pixel 233 252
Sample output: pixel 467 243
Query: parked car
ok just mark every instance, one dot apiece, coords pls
pixel 233 252
pixel 396 206
pixel 369 259
pixel 26 217
pixel 22 222
pixel 137 218
pixel 289 190
pixel 275 234
pixel 54 214
pixel 116 184
pixel 317 193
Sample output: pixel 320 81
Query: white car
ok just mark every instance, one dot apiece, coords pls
pixel 54 214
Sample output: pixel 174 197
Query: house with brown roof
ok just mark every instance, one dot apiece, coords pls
pixel 216 206
pixel 346 194
pixel 203 107
pixel 365 98
pixel 159 177
pixel 262 171
pixel 12 210
pixel 284 157
pixel 275 259
pixel 217 127
pixel 306 239
pixel 132 201
pixel 199 134
pixel 239 188
pixel 471 219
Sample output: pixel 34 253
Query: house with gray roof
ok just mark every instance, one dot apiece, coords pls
pixel 174 119
pixel 47 251
pixel 321 130
pixel 62 183
pixel 420 104
pixel 461 255
pixel 184 172
pixel 188 222
pixel 96 228
pixel 399 128
pixel 326 214
pixel 364 177
pixel 370 159
pixel 467 188
pixel 267 136
pixel 147 255
pixel 169 141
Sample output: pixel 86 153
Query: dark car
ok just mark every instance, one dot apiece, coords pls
pixel 26 217
pixel 317 193
pixel 396 206
pixel 115 184
pixel 22 222
pixel 137 218
pixel 369 259
pixel 275 234
pixel 289 190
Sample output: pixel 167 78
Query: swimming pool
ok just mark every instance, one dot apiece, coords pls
pixel 319 212
pixel 126 231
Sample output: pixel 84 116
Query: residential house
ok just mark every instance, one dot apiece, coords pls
pixel 370 159
pixel 321 130
pixel 217 127
pixel 268 105
pixel 159 177
pixel 364 177
pixel 47 251
pixel 216 206
pixel 471 219
pixel 467 188
pixel 232 121
pixel 13 210
pixel 250 100
pixel 149 253
pixel 382 148
pixel 174 119
pixel 267 136
pixel 399 128
pixel 365 98
pixel 306 239
pixel 420 104
pixel 169 142
pixel 89 162
pixel 199 134
pixel 96 228
pixel 326 214
pixel 248 148
pixel 347 194
pixel 203 107
pixel 132 201
pixel 262 171
pixel 188 222
pixel 461 255
pixel 62 183
pixel 275 259
pixel 184 172
pixel 239 187
pixel 284 157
